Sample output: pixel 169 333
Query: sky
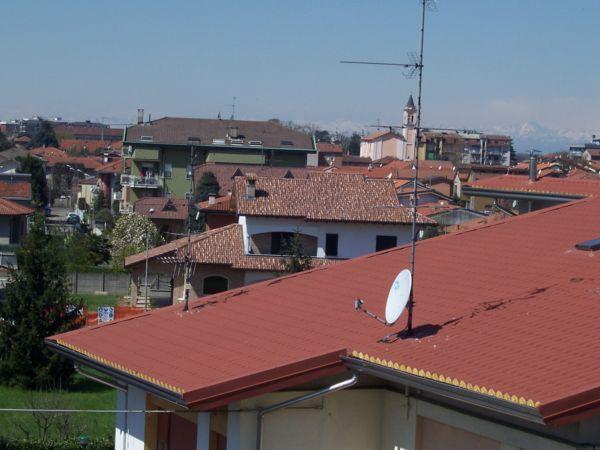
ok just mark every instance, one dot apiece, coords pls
pixel 489 64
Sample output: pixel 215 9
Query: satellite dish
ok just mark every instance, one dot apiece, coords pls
pixel 398 296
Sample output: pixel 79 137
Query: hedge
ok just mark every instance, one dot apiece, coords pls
pixel 69 444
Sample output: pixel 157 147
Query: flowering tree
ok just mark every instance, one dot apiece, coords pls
pixel 128 237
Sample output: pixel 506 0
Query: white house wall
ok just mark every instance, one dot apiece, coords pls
pixel 130 427
pixel 366 419
pixel 353 239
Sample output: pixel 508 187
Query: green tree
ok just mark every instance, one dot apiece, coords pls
pixel 129 237
pixel 297 260
pixel 322 136
pixel 44 136
pixel 207 185
pixel 37 305
pixel 4 144
pixel 99 201
pixel 351 144
pixel 84 250
pixel 39 188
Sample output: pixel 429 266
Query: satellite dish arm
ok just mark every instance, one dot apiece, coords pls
pixel 358 307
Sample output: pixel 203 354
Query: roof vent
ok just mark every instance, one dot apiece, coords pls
pixel 219 141
pixel 589 246
pixel 146 138
pixel 287 143
pixel 193 140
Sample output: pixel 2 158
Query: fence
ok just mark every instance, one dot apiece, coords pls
pixel 90 282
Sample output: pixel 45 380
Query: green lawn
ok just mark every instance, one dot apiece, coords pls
pixel 84 394
pixel 92 301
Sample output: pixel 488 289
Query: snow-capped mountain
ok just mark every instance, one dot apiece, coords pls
pixel 530 135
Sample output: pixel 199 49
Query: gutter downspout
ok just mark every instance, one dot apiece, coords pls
pixel 85 374
pixel 262 412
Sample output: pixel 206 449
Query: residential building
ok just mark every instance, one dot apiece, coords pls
pixel 501 356
pixel 8 160
pixel 14 224
pixel 87 131
pixel 16 187
pixel 577 151
pixel 218 211
pixel 109 181
pixel 524 194
pixel 169 214
pixel 382 143
pixel 163 151
pixel 329 152
pixel 335 216
pixel 591 154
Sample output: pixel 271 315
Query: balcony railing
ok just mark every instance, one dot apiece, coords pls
pixel 125 208
pixel 140 182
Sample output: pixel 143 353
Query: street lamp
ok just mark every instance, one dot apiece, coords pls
pixel 150 212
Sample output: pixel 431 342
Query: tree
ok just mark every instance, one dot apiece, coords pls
pixel 39 188
pixel 84 250
pixel 37 305
pixel 4 144
pixel 351 144
pixel 513 156
pixel 99 201
pixel 128 237
pixel 322 136
pixel 44 136
pixel 297 260
pixel 207 185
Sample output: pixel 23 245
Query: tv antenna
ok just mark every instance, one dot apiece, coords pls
pixel 415 66
pixel 233 108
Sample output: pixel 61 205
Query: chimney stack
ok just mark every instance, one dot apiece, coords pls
pixel 212 198
pixel 533 167
pixel 232 132
pixel 250 185
pixel 140 119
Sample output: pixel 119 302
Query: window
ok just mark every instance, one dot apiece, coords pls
pixel 168 170
pixel 214 284
pixel 385 242
pixel 188 171
pixel 331 244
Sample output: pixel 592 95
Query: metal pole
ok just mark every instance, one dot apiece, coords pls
pixel 188 275
pixel 334 388
pixel 411 302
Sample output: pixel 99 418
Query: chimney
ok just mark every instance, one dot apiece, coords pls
pixel 212 199
pixel 105 157
pixel 140 119
pixel 251 185
pixel 533 167
pixel 232 132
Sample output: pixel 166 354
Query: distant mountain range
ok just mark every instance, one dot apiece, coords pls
pixel 533 135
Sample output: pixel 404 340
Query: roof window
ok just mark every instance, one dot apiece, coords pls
pixel 287 143
pixel 256 143
pixel 146 138
pixel 219 141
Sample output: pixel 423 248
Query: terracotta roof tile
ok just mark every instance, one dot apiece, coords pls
pixel 222 204
pixel 527 333
pixel 324 197
pixel 560 186
pixel 164 207
pixel 222 246
pixel 329 147
pixel 10 208
pixel 15 190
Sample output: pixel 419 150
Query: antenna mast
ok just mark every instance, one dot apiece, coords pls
pixel 415 66
pixel 233 108
pixel 188 251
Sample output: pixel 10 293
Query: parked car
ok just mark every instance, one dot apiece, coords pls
pixel 47 211
pixel 73 218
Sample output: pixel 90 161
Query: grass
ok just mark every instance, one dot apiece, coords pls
pixel 83 394
pixel 92 301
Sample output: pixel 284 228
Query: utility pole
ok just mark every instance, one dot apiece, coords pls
pixel 150 211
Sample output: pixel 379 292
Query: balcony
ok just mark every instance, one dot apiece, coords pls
pixel 133 181
pixel 118 196
pixel 125 208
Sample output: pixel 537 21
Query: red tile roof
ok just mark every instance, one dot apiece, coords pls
pixel 9 208
pixel 559 186
pixel 224 204
pixel 382 134
pixel 90 145
pixel 164 207
pixel 324 197
pixel 431 208
pixel 15 190
pixel 519 325
pixel 328 147
pixel 111 167
pixel 46 152
pixel 221 246
pixel 225 173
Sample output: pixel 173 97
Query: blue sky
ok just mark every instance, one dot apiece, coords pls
pixel 489 64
